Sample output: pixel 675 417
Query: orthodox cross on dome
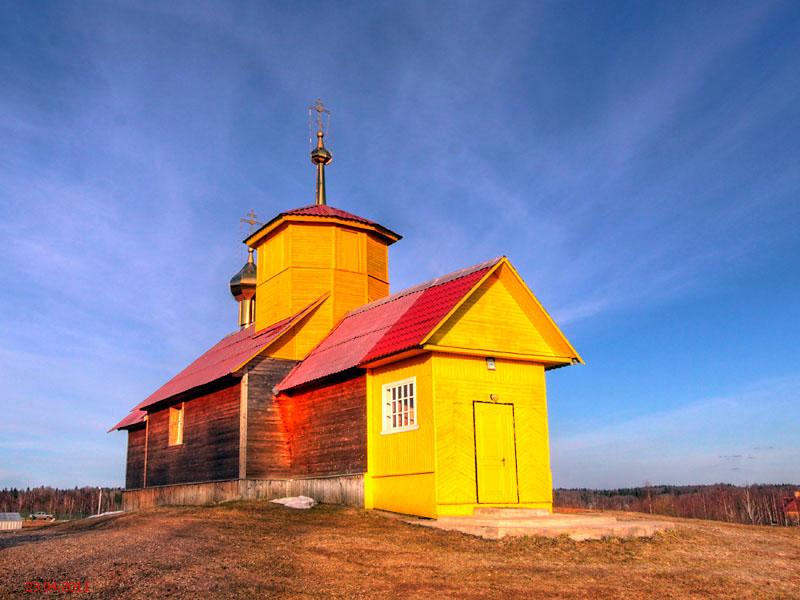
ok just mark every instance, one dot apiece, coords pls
pixel 320 156
pixel 322 119
pixel 252 220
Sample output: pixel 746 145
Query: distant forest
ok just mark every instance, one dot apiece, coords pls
pixel 752 504
pixel 63 504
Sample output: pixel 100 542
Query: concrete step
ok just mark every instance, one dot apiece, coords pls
pixel 530 521
pixel 591 532
pixel 506 511
pixel 580 532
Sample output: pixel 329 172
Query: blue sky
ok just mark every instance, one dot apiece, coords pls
pixel 637 162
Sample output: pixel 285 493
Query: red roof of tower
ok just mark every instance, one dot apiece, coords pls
pixel 222 359
pixel 325 211
pixel 387 326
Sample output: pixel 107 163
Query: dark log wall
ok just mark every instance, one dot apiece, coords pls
pixel 134 471
pixel 210 448
pixel 267 444
pixel 327 428
pixel 315 433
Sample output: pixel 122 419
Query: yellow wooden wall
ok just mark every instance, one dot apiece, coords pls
pixel 504 317
pixel 299 262
pixel 431 471
pixel 458 382
pixel 401 465
pixel 377 268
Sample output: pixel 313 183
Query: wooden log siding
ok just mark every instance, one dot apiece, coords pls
pixel 210 449
pixel 327 428
pixel 319 432
pixel 134 472
pixel 348 490
pixel 267 451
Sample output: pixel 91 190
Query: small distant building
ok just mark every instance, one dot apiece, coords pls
pixel 10 521
pixel 791 508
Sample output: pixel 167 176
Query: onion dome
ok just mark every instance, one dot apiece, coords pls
pixel 320 155
pixel 243 284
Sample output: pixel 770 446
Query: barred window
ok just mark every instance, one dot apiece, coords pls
pixel 400 406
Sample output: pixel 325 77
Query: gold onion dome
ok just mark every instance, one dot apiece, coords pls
pixel 243 284
pixel 320 155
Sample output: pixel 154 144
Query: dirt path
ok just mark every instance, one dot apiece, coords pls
pixel 261 550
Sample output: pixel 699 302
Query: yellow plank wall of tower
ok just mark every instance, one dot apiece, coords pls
pixel 299 262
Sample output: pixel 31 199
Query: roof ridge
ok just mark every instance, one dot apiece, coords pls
pixel 423 286
pixel 399 322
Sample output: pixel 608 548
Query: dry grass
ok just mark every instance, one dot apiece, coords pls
pixel 257 549
pixel 26 524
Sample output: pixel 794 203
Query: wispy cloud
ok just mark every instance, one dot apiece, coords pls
pixel 617 170
pixel 704 442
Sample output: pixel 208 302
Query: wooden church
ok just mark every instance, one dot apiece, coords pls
pixel 429 401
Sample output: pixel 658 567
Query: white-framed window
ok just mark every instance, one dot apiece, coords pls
pixel 400 406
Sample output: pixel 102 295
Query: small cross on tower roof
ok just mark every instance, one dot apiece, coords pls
pixel 252 220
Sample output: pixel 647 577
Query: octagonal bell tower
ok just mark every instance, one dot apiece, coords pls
pixel 313 251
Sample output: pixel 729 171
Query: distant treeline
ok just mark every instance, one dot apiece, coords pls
pixel 63 504
pixel 752 504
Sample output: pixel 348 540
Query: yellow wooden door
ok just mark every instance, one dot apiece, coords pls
pixel 495 453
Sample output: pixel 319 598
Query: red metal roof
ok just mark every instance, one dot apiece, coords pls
pixel 323 210
pixel 134 417
pixel 221 360
pixel 393 324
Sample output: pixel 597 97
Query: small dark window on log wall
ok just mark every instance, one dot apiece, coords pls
pixel 176 425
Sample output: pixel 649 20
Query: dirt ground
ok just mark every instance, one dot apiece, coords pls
pixel 262 550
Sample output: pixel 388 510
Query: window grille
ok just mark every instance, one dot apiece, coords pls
pixel 400 406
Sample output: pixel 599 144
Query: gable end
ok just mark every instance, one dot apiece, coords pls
pixel 501 316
